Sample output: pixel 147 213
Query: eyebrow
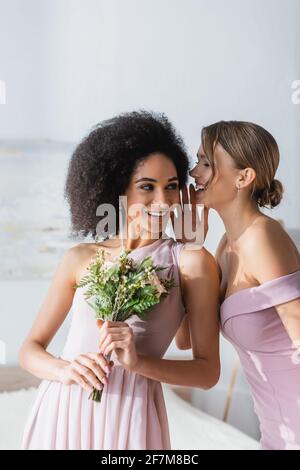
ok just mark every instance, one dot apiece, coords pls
pixel 155 181
pixel 199 155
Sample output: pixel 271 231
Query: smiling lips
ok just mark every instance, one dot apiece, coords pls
pixel 200 187
pixel 156 213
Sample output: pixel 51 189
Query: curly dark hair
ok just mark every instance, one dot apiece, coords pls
pixel 102 164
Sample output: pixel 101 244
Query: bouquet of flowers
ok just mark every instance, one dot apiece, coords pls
pixel 117 290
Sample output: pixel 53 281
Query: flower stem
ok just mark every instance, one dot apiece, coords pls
pixel 96 395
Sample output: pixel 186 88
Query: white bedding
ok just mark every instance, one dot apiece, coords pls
pixel 190 428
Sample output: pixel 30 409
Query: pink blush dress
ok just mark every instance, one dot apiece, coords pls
pixel 132 413
pixel 271 362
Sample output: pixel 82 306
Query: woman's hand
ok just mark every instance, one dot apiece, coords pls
pixel 118 337
pixel 189 228
pixel 87 370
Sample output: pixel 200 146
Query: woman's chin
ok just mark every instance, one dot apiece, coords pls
pixel 200 197
pixel 154 227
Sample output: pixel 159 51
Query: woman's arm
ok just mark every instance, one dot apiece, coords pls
pixel 33 356
pixel 55 307
pixel 183 338
pixel 200 286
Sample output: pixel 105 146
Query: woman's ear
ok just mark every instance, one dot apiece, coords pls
pixel 245 178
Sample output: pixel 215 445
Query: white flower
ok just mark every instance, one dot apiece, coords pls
pixel 155 281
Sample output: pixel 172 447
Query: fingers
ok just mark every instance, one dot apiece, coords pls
pixel 109 339
pixel 116 345
pixel 203 225
pixel 110 327
pixel 110 330
pixel 113 333
pixel 99 323
pixel 192 194
pixel 87 375
pixel 89 371
pixel 79 375
pixel 95 367
pixel 195 216
pixel 77 378
pixel 177 220
pixel 172 217
pixel 105 364
pixel 193 205
pixel 116 335
pixel 184 195
pixel 104 325
pixel 114 324
pixel 205 220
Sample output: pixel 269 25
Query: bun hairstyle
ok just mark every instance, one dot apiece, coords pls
pixel 271 196
pixel 250 146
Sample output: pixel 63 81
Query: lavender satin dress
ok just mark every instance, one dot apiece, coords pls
pixel 270 361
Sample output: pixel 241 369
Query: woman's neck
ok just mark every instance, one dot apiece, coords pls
pixel 132 243
pixel 237 217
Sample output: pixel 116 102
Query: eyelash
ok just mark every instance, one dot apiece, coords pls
pixel 204 164
pixel 145 186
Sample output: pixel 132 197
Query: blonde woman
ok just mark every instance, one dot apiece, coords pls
pixel 235 174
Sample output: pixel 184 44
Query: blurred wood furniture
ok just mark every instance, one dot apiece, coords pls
pixel 15 378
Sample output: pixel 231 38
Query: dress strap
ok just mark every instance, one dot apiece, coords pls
pixel 269 294
pixel 176 251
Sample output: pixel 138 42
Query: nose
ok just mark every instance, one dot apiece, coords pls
pixel 192 172
pixel 160 200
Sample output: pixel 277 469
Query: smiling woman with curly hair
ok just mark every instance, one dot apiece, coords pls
pixel 102 165
pixel 140 156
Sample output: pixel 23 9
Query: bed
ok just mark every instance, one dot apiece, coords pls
pixel 190 428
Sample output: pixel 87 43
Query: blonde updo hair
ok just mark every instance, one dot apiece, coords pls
pixel 250 146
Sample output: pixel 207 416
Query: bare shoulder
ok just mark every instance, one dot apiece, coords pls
pixel 267 235
pixel 82 254
pixel 197 262
pixel 269 250
pixel 78 252
pixel 77 258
